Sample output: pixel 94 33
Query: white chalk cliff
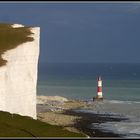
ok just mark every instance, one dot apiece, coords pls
pixel 18 78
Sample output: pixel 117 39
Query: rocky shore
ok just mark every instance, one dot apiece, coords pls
pixel 52 110
pixel 61 111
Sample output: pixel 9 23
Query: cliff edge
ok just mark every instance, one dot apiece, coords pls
pixel 19 53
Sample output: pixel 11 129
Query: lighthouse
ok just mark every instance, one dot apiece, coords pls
pixel 99 96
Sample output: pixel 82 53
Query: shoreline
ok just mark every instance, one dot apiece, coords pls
pixel 64 114
pixel 86 119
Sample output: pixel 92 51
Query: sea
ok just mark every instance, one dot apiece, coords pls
pixel 121 90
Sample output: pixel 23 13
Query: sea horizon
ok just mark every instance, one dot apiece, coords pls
pixel 121 91
pixel 80 79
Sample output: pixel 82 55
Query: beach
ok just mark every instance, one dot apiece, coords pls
pixel 77 82
pixel 65 113
pixel 53 111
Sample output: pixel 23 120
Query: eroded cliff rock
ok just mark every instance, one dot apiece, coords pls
pixel 18 77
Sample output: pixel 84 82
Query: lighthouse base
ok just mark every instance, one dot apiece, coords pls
pixel 97 99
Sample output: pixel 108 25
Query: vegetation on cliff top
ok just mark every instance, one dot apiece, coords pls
pixel 11 37
pixel 13 125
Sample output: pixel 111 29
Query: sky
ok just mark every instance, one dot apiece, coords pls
pixel 81 32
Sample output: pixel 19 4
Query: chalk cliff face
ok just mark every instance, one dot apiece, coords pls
pixel 18 78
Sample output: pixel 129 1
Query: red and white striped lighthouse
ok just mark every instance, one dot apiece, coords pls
pixel 99 96
pixel 99 88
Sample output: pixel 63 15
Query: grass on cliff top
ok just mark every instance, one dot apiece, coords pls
pixel 11 37
pixel 22 126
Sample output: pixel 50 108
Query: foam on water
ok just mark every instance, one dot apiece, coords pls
pixel 122 102
pixel 127 108
pixel 131 129
pixel 121 88
pixel 116 109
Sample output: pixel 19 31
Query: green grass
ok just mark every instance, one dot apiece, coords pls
pixel 10 38
pixel 23 126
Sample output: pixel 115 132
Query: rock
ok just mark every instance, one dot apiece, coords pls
pixel 57 118
pixel 18 78
pixel 51 100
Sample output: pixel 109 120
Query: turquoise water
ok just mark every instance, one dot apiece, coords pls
pixel 120 81
pixel 121 90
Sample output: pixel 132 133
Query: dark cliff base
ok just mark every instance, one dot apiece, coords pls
pixel 84 123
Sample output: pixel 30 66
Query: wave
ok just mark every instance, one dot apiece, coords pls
pixel 117 101
pixel 128 129
pixel 117 109
pixel 122 102
pixel 109 108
